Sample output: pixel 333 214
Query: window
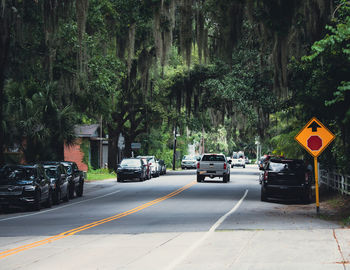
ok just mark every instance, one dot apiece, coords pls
pixel 213 158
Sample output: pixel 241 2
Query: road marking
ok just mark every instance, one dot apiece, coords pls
pixel 93 224
pixel 60 207
pixel 195 245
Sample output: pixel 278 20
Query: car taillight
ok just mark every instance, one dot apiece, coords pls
pixel 266 176
pixel 225 166
pixel 198 165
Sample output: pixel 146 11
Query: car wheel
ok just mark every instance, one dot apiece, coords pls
pixel 244 167
pixel 263 194
pixel 48 202
pixel 228 178
pixel 66 197
pixel 71 191
pixel 200 178
pixel 37 201
pixel 80 189
pixel 224 177
pixel 307 198
pixel 56 198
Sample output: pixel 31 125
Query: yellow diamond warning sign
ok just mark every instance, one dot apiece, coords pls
pixel 314 137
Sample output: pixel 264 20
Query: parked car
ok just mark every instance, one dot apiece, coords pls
pixel 153 164
pixel 131 168
pixel 148 168
pixel 189 162
pixel 213 165
pixel 25 186
pixel 76 179
pixel 286 179
pixel 59 182
pixel 162 167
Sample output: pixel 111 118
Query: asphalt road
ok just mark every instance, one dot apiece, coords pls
pixel 172 222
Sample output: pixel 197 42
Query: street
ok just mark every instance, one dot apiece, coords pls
pixel 173 222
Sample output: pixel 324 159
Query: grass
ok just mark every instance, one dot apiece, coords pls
pixel 337 208
pixel 100 174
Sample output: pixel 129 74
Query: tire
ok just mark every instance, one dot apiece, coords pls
pixel 37 201
pixel 228 178
pixel 48 202
pixel 244 167
pixel 71 191
pixel 307 198
pixel 263 194
pixel 200 178
pixel 66 197
pixel 80 189
pixel 224 177
pixel 56 198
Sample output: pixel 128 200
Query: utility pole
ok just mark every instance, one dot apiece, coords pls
pixel 203 151
pixel 174 154
pixel 101 144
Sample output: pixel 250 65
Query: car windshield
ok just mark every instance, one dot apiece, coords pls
pixel 15 174
pixel 213 158
pixel 69 168
pixel 130 163
pixel 50 173
pixel 188 158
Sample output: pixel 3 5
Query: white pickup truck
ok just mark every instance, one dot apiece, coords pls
pixel 213 165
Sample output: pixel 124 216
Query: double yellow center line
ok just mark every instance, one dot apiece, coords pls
pixel 93 224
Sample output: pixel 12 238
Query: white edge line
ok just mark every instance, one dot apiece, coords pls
pixel 60 207
pixel 206 235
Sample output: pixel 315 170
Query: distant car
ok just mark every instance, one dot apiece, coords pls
pixel 153 164
pixel 25 186
pixel 213 165
pixel 131 168
pixel 162 166
pixel 188 162
pixel 286 179
pixel 59 182
pixel 238 159
pixel 238 162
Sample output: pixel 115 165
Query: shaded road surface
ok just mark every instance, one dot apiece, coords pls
pixel 172 222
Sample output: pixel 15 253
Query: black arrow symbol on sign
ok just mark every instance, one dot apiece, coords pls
pixel 314 126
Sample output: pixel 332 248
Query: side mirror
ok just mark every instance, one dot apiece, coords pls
pixel 198 159
pixel 230 161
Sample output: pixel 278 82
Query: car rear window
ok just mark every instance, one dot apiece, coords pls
pixel 213 158
pixel 285 166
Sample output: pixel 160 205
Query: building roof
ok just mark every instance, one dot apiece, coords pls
pixel 86 130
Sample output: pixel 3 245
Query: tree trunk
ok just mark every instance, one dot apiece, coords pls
pixel 112 147
pixel 5 13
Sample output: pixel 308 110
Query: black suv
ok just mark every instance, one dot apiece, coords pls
pixel 24 185
pixel 286 179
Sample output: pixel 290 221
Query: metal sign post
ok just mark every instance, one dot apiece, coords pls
pixel 316 186
pixel 315 137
